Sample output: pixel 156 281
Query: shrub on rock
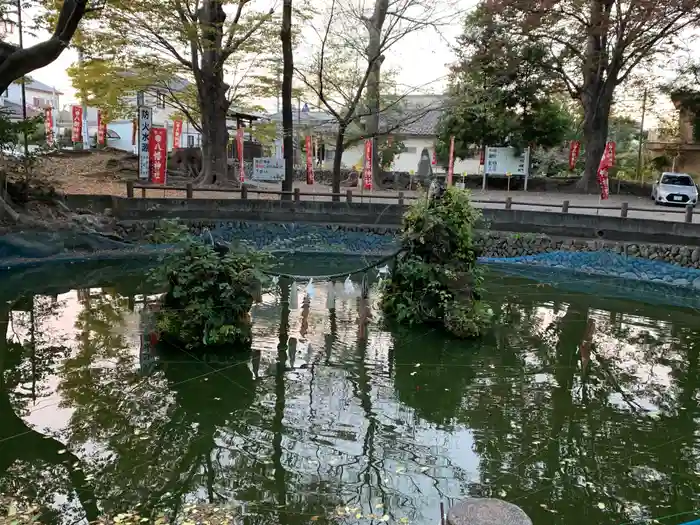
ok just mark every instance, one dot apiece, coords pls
pixel 435 278
pixel 209 294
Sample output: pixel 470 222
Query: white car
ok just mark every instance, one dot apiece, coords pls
pixel 675 188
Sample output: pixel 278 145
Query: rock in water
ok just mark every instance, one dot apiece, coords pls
pixel 486 511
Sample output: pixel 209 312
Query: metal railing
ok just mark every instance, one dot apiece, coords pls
pixel 247 192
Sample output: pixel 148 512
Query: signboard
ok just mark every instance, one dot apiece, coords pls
pixel 77 131
pixel 158 154
pixel 177 133
pixel 144 135
pixel 368 165
pixel 268 169
pixel 574 151
pixel 499 161
pixel 48 125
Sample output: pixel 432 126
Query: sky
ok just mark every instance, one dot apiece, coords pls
pixel 427 53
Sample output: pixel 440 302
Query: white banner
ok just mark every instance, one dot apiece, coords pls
pixel 144 132
pixel 268 169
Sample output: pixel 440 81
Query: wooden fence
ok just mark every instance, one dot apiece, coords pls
pixel 400 198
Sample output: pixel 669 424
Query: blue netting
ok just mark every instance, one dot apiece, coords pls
pixel 604 263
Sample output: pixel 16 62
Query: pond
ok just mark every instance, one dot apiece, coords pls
pixel 579 408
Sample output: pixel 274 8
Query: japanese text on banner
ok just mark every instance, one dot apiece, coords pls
pixel 77 131
pixel 101 128
pixel 48 125
pixel 158 153
pixel 177 133
pixel 309 161
pixel 368 165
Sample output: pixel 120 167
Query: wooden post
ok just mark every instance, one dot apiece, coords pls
pixel 244 191
pixel 509 202
pixel 689 213
pixel 623 209
pixel 565 207
pixel 190 190
pixel 348 196
pixel 297 194
pixel 401 198
pixel 130 189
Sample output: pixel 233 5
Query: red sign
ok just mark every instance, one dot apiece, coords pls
pixel 309 161
pixel 574 151
pixel 101 128
pixel 77 114
pixel 610 152
pixel 48 125
pixel 368 165
pixel 158 154
pixel 606 163
pixel 134 126
pixel 177 133
pixel 434 161
pixel 481 156
pixel 239 143
pixel 451 162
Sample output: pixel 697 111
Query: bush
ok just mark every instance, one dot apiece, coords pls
pixel 435 279
pixel 209 293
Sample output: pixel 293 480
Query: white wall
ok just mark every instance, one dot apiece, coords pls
pixel 14 94
pixel 408 160
pixel 124 129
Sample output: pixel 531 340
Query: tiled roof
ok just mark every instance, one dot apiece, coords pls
pixel 14 110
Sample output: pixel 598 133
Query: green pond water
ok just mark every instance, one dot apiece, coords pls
pixel 577 408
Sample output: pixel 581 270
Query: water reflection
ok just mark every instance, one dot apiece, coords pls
pixel 578 409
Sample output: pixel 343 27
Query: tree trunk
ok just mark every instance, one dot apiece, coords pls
pixel 287 111
pixel 374 27
pixel 596 101
pixel 338 160
pixel 211 92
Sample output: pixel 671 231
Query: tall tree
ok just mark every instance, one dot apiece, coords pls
pixel 344 71
pixel 219 47
pixel 287 116
pixel 592 47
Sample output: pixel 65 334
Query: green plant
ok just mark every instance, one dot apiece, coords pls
pixel 435 278
pixel 209 294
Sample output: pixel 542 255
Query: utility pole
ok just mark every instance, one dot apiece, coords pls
pixel 23 86
pixel 641 138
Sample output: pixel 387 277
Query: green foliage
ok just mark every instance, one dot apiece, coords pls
pixel 209 295
pixel 500 94
pixel 387 149
pixel 435 280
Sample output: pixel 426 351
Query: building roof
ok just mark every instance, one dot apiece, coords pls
pixel 40 86
pixel 14 110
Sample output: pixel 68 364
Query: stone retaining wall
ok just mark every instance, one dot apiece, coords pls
pixel 370 239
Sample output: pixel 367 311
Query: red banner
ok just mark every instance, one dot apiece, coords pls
pixel 48 125
pixel 177 133
pixel 134 127
pixel 451 162
pixel 610 152
pixel 368 165
pixel 481 156
pixel 77 133
pixel 606 163
pixel 101 128
pixel 239 143
pixel 434 160
pixel 309 161
pixel 158 154
pixel 574 151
